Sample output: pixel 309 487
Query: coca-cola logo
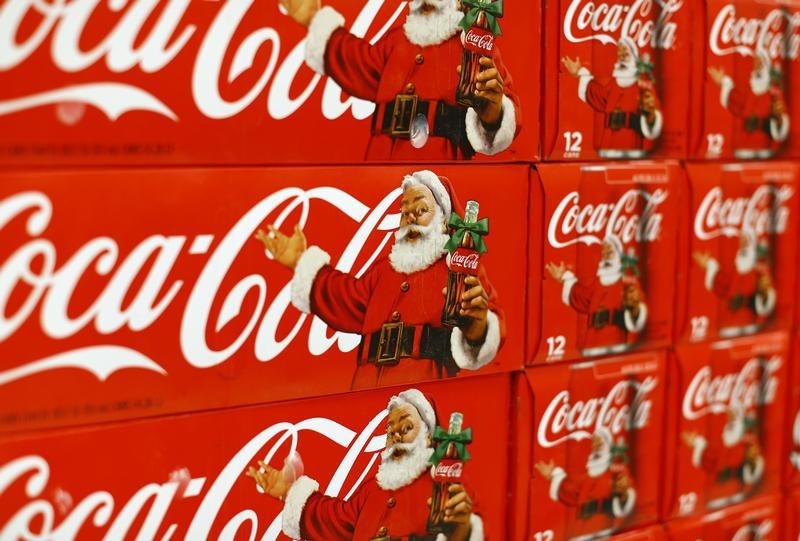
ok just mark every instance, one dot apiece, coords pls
pixel 754 532
pixel 645 22
pixel 482 40
pixel 755 384
pixel 464 260
pixel 158 501
pixel 136 289
pixel 625 408
pixel 448 471
pixel 764 212
pixel 148 37
pixel 776 34
pixel 632 217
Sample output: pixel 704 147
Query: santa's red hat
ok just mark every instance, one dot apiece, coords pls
pixel 423 404
pixel 441 188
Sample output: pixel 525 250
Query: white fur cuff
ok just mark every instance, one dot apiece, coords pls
pixel 492 142
pixel 323 24
pixel 725 88
pixel 621 510
pixel 752 475
pixel 779 132
pixel 765 305
pixel 584 78
pixel 795 460
pixel 638 324
pixel 555 482
pixel 569 281
pixel 654 131
pixel 296 499
pixel 305 272
pixel 698 448
pixel 711 273
pixel 472 358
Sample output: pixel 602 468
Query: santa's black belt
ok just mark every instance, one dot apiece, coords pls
pixel 755 123
pixel 395 118
pixel 594 507
pixel 602 318
pixel 726 474
pixel 737 302
pixel 616 120
pixel 427 537
pixel 397 340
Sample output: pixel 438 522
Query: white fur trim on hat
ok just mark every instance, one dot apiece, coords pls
pixel 570 280
pixel 296 499
pixel 472 358
pixel 604 434
pixel 305 272
pixel 431 180
pixel 415 398
pixel 631 46
pixel 584 78
pixel 323 24
pixel 698 448
pixel 654 131
pixel 615 243
pixel 491 142
pixel 620 509
pixel 638 324
pixel 711 274
pixel 556 479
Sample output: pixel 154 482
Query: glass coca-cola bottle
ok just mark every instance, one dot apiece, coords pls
pixel 445 474
pixel 462 262
pixel 478 41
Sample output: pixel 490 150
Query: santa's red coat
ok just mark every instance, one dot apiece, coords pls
pixel 723 466
pixel 380 72
pixel 383 295
pixel 744 104
pixel 736 293
pixel 610 97
pixel 369 513
pixel 584 491
pixel 592 298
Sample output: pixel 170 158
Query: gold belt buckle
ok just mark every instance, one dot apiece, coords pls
pixel 388 353
pixel 405 109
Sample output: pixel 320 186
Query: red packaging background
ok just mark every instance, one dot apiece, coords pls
pixel 582 383
pixel 690 490
pixel 273 101
pixel 791 522
pixel 792 452
pixel 566 115
pixel 78 470
pixel 732 524
pixel 713 125
pixel 654 533
pixel 193 206
pixel 563 329
pixel 699 318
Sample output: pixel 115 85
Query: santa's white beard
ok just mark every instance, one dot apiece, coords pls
pixel 625 74
pixel 394 473
pixel 598 463
pixel 759 82
pixel 746 259
pixel 609 271
pixel 408 257
pixel 732 433
pixel 434 27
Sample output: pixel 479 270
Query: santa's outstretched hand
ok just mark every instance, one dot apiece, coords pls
pixel 556 271
pixel 491 88
pixel 270 480
pixel 302 11
pixel 285 250
pixel 702 259
pixel 546 469
pixel 716 74
pixel 572 66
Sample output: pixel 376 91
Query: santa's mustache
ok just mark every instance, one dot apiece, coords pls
pixel 407 447
pixel 422 230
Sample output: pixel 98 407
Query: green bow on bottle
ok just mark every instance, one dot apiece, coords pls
pixel 444 438
pixel 643 65
pixel 762 252
pixel 775 76
pixel 630 261
pixel 492 10
pixel 476 229
pixel 620 450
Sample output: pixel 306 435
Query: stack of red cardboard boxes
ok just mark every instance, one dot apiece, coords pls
pixel 633 375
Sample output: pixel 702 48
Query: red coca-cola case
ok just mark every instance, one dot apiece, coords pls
pixel 147 291
pixel 756 520
pixel 609 236
pixel 792 453
pixel 594 438
pixel 726 418
pixel 616 84
pixel 184 476
pixel 742 250
pixel 741 71
pixel 791 522
pixel 652 533
pixel 241 82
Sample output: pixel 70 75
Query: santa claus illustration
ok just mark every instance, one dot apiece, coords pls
pixel 761 116
pixel 396 305
pixel 737 465
pixel 794 456
pixel 612 301
pixel 746 292
pixel 411 74
pixel 603 495
pixel 627 103
pixel 394 504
